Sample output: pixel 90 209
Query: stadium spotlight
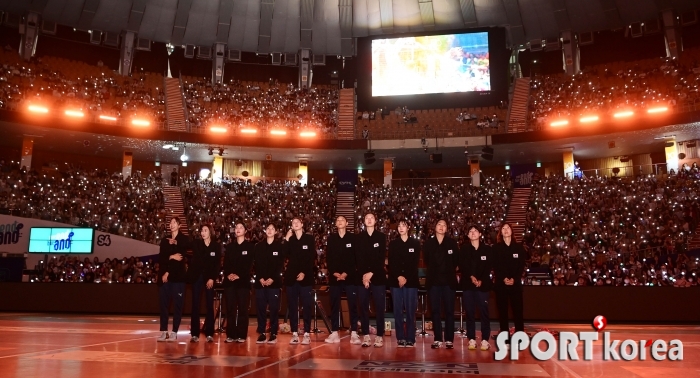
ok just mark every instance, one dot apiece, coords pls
pixel 168 146
pixel 588 119
pixel 218 129
pixel 657 110
pixel 107 118
pixel 38 109
pixel 307 134
pixel 249 131
pixel 74 113
pixel 278 132
pixel 559 123
pixel 624 114
pixel 140 122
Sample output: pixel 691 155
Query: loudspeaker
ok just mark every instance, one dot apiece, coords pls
pixel 143 44
pixel 369 155
pixel 189 51
pixel 239 163
pixel 690 144
pixel 636 30
pixel 681 156
pixel 488 157
pixel 536 45
pixel 95 37
pixel 585 38
pixel 436 158
pixel 370 161
pixel 669 144
pixel 487 150
pixel 234 55
pixel 277 58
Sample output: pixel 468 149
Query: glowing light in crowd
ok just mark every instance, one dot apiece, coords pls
pixel 74 113
pixel 249 131
pixel 140 122
pixel 168 146
pixel 559 123
pixel 218 129
pixel 587 119
pixel 657 110
pixel 278 132
pixel 108 118
pixel 38 109
pixel 624 114
pixel 308 134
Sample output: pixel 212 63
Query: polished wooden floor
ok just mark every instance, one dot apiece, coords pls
pixel 40 345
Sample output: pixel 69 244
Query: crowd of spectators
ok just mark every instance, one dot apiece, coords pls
pixel 615 231
pixel 132 207
pixel 607 89
pixel 73 269
pixel 92 90
pixel 265 106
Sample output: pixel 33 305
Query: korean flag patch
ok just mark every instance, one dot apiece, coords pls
pixel 411 250
pixel 304 247
pixel 274 253
pixel 348 245
pixel 449 251
pixel 244 253
pixel 483 258
pixel 515 255
pixel 212 253
pixel 376 245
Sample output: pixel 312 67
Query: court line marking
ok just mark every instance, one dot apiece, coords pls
pixel 287 359
pixel 73 347
pixel 567 369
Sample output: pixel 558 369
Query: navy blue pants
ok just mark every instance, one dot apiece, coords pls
pixel 336 294
pixel 379 298
pixel 295 293
pixel 264 298
pixel 237 304
pixel 472 300
pixel 197 288
pixel 442 298
pixel 405 298
pixel 175 292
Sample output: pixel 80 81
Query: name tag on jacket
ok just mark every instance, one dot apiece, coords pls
pixel 376 245
pixel 274 253
pixel 515 255
pixel 244 253
pixel 483 258
pixel 348 245
pixel 411 250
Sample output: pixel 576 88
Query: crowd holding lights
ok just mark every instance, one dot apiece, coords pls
pixel 281 108
pixel 639 88
pixel 615 231
pixel 40 89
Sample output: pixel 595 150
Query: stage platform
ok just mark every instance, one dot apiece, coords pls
pixel 44 345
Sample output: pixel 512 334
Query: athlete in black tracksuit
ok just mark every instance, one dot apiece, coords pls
pixel 370 256
pixel 172 274
pixel 269 259
pixel 238 263
pixel 404 253
pixel 203 270
pixel 342 277
pixel 475 265
pixel 299 277
pixel 509 266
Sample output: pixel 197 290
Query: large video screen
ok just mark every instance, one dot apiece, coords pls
pixel 431 64
pixel 60 240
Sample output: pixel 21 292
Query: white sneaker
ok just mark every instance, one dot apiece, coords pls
pixel 485 345
pixel 163 337
pixel 306 340
pixel 355 338
pixel 295 339
pixel 334 338
pixel 366 341
pixel 194 339
pixel 378 342
pixel 210 339
pixel 172 336
pixel 472 344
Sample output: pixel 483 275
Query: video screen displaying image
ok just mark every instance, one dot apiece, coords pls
pixel 60 240
pixel 431 64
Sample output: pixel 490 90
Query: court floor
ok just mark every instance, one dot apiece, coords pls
pixel 45 345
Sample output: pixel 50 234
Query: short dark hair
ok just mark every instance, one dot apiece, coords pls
pixel 405 222
pixel 236 223
pixel 176 219
pixel 268 224
pixel 341 216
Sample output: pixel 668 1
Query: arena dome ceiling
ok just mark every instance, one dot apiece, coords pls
pixel 328 27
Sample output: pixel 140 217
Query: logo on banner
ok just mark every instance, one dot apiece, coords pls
pixel 104 240
pixel 10 233
pixel 524 179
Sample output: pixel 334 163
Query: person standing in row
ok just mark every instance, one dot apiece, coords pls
pixel 238 262
pixel 403 280
pixel 475 264
pixel 202 271
pixel 440 253
pixel 370 255
pixel 171 279
pixel 299 278
pixel 343 277
pixel 269 259
pixel 509 265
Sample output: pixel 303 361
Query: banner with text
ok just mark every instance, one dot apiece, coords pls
pixel 347 180
pixel 522 174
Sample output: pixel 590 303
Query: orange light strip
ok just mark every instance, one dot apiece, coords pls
pixel 218 129
pixel 278 132
pixel 559 123
pixel 307 134
pixel 588 119
pixel 249 131
pixel 140 122
pixel 74 113
pixel 108 118
pixel 657 110
pixel 624 114
pixel 38 109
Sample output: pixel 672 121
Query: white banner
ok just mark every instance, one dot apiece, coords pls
pixel 14 238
